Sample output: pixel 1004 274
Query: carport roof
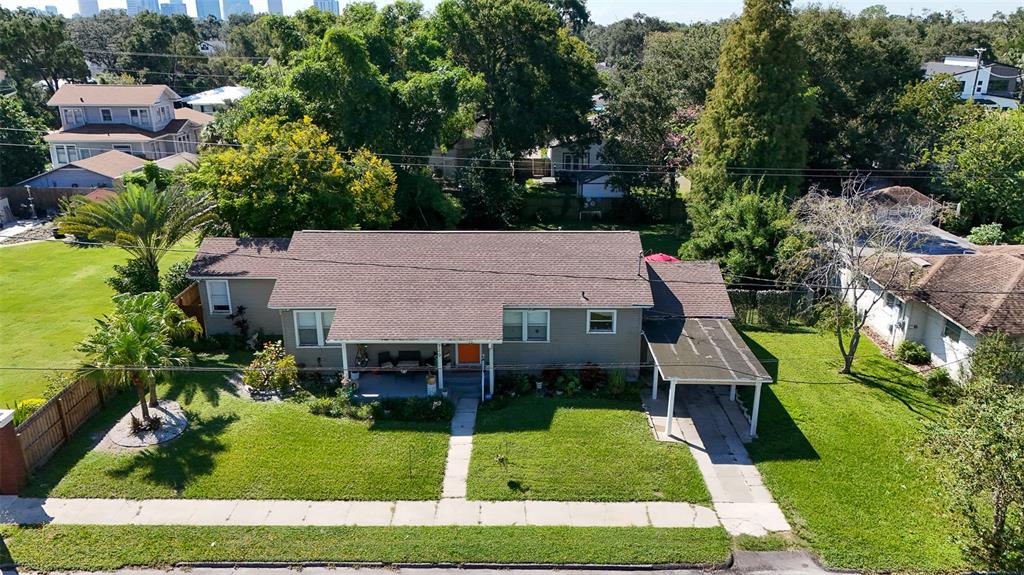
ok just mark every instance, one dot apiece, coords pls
pixel 702 351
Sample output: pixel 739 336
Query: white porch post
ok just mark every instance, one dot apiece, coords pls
pixel 757 408
pixel 344 359
pixel 490 366
pixel 654 382
pixel 671 407
pixel 732 392
pixel 440 367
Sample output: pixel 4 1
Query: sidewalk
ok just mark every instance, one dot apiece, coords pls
pixel 358 513
pixel 715 430
pixel 460 449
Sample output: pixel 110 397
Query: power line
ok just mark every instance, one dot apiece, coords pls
pixel 416 267
pixel 166 55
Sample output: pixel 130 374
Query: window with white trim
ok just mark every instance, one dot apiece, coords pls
pixel 951 331
pixel 601 321
pixel 526 325
pixel 74 117
pixel 312 327
pixel 126 148
pixel 139 116
pixel 66 153
pixel 219 294
pixel 106 115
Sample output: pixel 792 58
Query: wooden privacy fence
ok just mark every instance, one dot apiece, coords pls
pixel 44 199
pixel 53 424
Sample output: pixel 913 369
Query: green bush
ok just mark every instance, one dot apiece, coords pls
pixel 272 369
pixel 57 381
pixel 913 353
pixel 568 383
pixel 26 407
pixel 134 277
pixel 592 376
pixel 616 383
pixel 174 281
pixel 512 384
pixel 939 384
pixel 986 234
pixel 414 409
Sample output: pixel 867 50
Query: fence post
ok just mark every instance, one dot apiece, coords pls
pixel 13 471
pixel 60 416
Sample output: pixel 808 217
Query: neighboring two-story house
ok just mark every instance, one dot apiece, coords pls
pixel 997 85
pixel 139 120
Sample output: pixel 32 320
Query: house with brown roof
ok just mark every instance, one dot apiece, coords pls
pixel 104 170
pixel 945 302
pixel 139 120
pixel 476 302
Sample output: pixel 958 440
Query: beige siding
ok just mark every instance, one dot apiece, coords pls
pixel 251 293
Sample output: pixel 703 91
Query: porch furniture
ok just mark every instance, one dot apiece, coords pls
pixel 408 359
pixel 384 359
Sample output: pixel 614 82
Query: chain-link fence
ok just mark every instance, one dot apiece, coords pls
pixel 773 308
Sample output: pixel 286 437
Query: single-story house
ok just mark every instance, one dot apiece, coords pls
pixel 487 301
pixel 100 171
pixel 945 302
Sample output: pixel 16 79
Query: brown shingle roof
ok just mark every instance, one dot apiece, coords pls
pixel 690 289
pixel 902 196
pixel 239 258
pixel 110 95
pixel 430 286
pixel 113 133
pixel 111 164
pixel 981 292
pixel 195 115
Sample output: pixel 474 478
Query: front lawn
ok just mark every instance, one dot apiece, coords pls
pixel 236 448
pixel 579 449
pixel 840 454
pixel 50 293
pixel 69 547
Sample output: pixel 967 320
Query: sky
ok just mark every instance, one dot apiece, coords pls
pixel 607 11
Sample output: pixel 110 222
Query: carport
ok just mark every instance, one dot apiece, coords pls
pixel 702 351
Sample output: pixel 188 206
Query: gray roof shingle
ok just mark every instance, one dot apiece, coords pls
pixel 690 289
pixel 239 258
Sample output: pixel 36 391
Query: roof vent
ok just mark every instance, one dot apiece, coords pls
pixel 921 262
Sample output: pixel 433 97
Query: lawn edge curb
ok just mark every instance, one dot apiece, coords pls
pixel 464 565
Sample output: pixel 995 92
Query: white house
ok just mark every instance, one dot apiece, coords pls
pixel 997 85
pixel 947 301
pixel 139 120
pixel 217 99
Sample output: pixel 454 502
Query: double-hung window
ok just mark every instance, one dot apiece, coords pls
pixel 66 153
pixel 526 325
pixel 311 327
pixel 601 321
pixel 139 117
pixel 106 115
pixel 219 295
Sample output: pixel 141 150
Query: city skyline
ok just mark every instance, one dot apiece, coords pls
pixel 602 11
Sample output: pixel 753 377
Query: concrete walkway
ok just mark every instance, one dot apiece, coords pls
pixel 715 430
pixel 460 449
pixel 362 513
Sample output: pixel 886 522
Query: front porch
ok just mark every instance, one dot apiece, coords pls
pixel 375 384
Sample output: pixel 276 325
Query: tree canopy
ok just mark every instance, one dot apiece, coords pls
pixel 22 152
pixel 36 47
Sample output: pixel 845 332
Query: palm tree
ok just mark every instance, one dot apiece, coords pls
pixel 142 220
pixel 135 339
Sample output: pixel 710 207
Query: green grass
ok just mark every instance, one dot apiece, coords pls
pixel 841 456
pixel 236 448
pixel 66 547
pixel 577 449
pixel 50 294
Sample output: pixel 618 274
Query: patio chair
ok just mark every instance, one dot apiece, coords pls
pixel 384 359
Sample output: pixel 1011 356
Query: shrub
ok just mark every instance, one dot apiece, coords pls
pixel 134 277
pixel 174 280
pixel 592 376
pixel 512 384
pixel 913 353
pixel 616 383
pixel 26 407
pixel 549 375
pixel 414 409
pixel 322 406
pixel 567 383
pixel 940 385
pixel 986 234
pixel 57 381
pixel 272 369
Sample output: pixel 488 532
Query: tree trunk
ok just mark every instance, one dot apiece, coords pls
pixel 850 352
pixel 153 401
pixel 140 390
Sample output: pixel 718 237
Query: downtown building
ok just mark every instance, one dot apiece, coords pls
pixel 207 8
pixel 87 8
pixel 329 6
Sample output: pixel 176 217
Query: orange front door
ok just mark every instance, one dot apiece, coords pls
pixel 469 353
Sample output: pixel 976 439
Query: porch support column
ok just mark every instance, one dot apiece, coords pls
pixel 440 367
pixel 654 382
pixel 757 408
pixel 671 407
pixel 732 392
pixel 490 366
pixel 344 359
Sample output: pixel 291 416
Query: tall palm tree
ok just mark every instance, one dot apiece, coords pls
pixel 135 339
pixel 142 220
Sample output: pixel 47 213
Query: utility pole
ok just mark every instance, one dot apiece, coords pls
pixel 977 70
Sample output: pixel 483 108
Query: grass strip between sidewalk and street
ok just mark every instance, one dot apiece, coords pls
pixel 93 547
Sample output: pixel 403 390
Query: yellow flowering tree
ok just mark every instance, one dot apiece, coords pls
pixel 286 176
